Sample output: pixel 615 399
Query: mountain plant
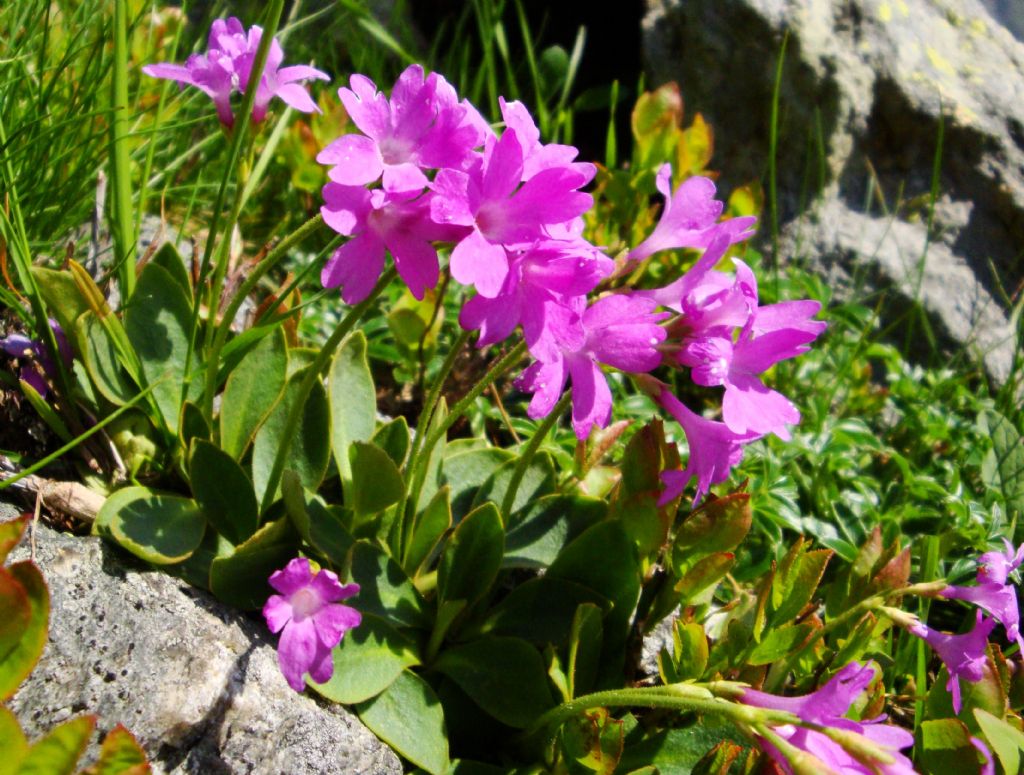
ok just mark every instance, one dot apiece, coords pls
pixel 500 594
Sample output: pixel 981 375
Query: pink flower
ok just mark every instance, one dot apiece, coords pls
pixel 422 126
pixel 964 655
pixel 989 767
pixel 310 620
pixel 995 567
pixel 712 306
pixel 546 273
pixel 32 353
pixel 690 218
pixel 828 707
pixel 621 331
pixel 1000 600
pixel 714 449
pixel 379 222
pixel 227 65
pixel 501 212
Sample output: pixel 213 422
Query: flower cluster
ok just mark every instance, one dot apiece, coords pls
pixel 510 206
pixel 227 64
pixel 964 655
pixel 836 743
pixel 37 367
pixel 310 620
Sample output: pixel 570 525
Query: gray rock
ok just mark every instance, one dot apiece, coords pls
pixel 857 252
pixel 866 88
pixel 195 681
pixel 1009 13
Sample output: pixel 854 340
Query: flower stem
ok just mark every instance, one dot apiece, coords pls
pixel 527 457
pixel 419 474
pixel 313 373
pixel 224 328
pixel 404 525
pixel 681 697
pixel 120 161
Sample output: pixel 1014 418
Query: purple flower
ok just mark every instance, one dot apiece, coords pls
pixel 714 449
pixel 538 156
pixel 621 331
pixel 422 126
pixel 995 567
pixel 226 66
pixel 690 217
pixel 989 767
pixel 964 655
pixel 36 364
pixel 310 620
pixel 712 306
pixel 1000 600
pixel 502 213
pixel 543 274
pixel 827 707
pixel 380 221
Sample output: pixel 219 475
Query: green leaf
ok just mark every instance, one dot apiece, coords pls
pixel 717 526
pixel 61 294
pixel 689 657
pixel 315 521
pixel 780 642
pixel 19 661
pixel 432 467
pixel 12 743
pixel 472 557
pixel 797 580
pixel 1006 740
pixel 1004 465
pixel 168 258
pixel 11 532
pixel 585 640
pixel 193 424
pixel 240 578
pixel 430 525
pixel 677 751
pixel 161 529
pixel 44 410
pixel 223 491
pixel 251 392
pixel 409 718
pixel 376 480
pixel 384 589
pixel 946 747
pixel 547 526
pixel 703 576
pixel 394 438
pixel 367 661
pixel 539 480
pixel 504 676
pixel 466 471
pixel 604 559
pixel 352 398
pixel 541 610
pixel 309 454
pixel 158 323
pixel 15 612
pixel 120 754
pixel 101 362
pixel 60 750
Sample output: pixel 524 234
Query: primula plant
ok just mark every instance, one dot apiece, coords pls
pixel 556 599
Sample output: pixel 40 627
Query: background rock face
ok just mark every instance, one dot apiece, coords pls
pixel 867 88
pixel 196 682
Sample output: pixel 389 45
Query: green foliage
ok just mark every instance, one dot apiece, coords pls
pixel 480 617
